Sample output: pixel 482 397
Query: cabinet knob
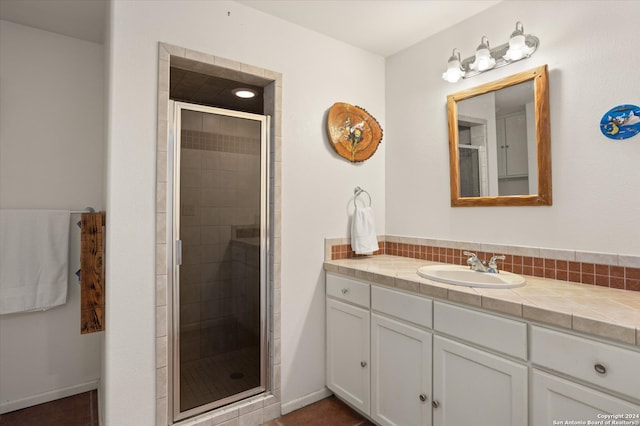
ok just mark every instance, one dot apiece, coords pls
pixel 345 290
pixel 363 364
pixel 600 369
pixel 423 397
pixel 435 404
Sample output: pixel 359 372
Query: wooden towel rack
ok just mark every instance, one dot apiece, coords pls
pixel 92 228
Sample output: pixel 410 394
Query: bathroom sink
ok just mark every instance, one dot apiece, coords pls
pixel 462 275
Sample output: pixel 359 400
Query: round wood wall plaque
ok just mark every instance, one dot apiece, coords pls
pixel 353 132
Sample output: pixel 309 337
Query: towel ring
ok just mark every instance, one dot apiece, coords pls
pixel 358 191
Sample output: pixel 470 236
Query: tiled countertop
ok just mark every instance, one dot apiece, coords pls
pixel 604 312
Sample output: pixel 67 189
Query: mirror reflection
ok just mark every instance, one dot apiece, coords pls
pixel 499 142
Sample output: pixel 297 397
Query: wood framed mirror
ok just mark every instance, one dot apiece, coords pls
pixel 499 142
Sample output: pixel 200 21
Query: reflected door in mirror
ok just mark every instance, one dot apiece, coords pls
pixel 513 168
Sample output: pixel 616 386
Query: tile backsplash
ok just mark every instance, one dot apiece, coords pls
pixel 602 269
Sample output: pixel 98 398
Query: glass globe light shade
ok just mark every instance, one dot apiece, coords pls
pixel 454 70
pixel 453 73
pixel 517 47
pixel 483 61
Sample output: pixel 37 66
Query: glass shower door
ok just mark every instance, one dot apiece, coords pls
pixel 219 279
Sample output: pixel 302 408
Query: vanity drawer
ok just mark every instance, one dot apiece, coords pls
pixel 604 365
pixel 349 290
pixel 404 306
pixel 491 331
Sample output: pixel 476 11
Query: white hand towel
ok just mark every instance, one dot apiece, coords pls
pixel 363 231
pixel 34 252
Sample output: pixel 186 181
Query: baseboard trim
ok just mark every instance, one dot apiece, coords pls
pixel 8 406
pixel 305 400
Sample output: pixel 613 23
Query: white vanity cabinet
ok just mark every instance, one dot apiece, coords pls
pixel 406 360
pixel 557 399
pixel 471 385
pixel 608 368
pixel 348 331
pixel 379 351
pixel 400 358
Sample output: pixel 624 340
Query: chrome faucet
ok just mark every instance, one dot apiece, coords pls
pixel 480 265
pixel 475 263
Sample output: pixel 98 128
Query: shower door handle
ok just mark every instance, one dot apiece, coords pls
pixel 178 252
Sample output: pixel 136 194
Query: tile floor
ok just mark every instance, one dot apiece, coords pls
pixel 82 410
pixel 329 411
pixel 76 410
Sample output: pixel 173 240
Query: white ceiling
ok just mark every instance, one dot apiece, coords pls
pixel 383 27
pixel 83 19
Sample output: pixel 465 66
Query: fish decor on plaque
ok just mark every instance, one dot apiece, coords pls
pixel 621 122
pixel 353 133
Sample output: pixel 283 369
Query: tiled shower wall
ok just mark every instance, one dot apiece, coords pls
pixel 245 279
pixel 603 269
pixel 220 190
pixel 262 408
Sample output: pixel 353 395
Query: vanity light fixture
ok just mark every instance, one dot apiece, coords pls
pixel 244 93
pixel 520 46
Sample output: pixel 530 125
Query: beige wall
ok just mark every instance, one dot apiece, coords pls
pixel 595 179
pixel 316 188
pixel 51 156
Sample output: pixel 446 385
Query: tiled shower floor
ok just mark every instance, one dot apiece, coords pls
pixel 213 378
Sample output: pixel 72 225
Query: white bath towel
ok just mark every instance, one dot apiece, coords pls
pixel 363 231
pixel 34 252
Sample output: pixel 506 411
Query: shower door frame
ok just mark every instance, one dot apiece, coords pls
pixel 175 108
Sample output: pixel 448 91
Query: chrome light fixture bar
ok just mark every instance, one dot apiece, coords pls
pixel 519 46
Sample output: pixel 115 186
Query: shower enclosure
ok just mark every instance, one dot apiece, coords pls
pixel 219 218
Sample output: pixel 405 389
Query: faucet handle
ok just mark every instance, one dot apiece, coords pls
pixel 473 258
pixel 468 253
pixel 492 262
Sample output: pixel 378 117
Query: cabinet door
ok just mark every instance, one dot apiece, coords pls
pixel 473 387
pixel 400 373
pixel 515 129
pixel 559 400
pixel 348 353
pixel 501 144
pixel 511 132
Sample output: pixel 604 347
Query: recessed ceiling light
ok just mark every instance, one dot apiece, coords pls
pixel 244 93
